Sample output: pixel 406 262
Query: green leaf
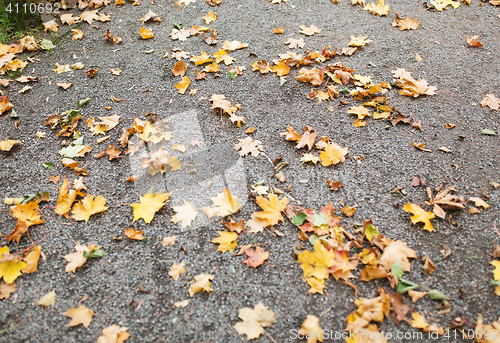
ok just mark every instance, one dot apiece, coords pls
pixel 405 286
pixel 47 45
pixel 489 132
pixel 345 90
pixel 299 219
pixel 67 115
pixel 178 26
pixel 314 238
pixel 94 253
pixel 13 114
pixel 396 269
pixel 47 165
pixel 71 151
pixel 283 80
pixel 80 103
pixel 320 219
pixel 372 231
pixel 144 240
pixel 495 283
pixel 232 74
pixel 434 294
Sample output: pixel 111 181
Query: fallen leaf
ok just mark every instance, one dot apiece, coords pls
pixel 233 45
pixel 249 146
pixel 81 315
pixel 48 299
pixel 10 268
pixel 380 8
pixel 176 270
pixel 210 17
pixel 397 251
pixel 6 290
pixel 254 321
pixel 113 334
pixel 255 257
pixel 87 207
pixel 168 240
pixel 202 283
pixel 179 69
pixel 32 260
pixel 474 41
pixel 145 33
pixel 184 214
pixel 490 100
pixel 132 234
pixel 183 85
pixel 311 330
pixel 415 295
pixel 419 215
pixel 309 31
pixel 226 241
pixel 359 41
pixel 8 144
pixel 148 206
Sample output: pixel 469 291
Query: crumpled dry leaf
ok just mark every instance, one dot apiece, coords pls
pixel 254 320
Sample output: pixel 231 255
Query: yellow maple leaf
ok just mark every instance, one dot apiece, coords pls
pixel 27 215
pixel 272 209
pixel 496 272
pixel 224 204
pixel 317 285
pixel 66 198
pixel 211 68
pixel 226 241
pixel 210 17
pixel 8 144
pixel 203 58
pixel 360 111
pixel 316 263
pixel 202 283
pixel 281 69
pixel 11 268
pixel 183 85
pixel 419 215
pixel 81 315
pixel 148 206
pixel 184 214
pixel 32 260
pixel 332 154
pixel 418 321
pixel 380 8
pixel 83 209
pixel 359 41
pixel 145 33
pixel 223 56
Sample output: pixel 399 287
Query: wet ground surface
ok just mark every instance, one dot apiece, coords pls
pixel 462 74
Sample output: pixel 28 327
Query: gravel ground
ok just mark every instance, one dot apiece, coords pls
pixel 462 74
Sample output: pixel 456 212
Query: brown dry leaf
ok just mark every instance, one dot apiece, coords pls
pixel 176 270
pixel 334 185
pixel 5 104
pixel 55 179
pixel 111 39
pixel 380 8
pixel 254 321
pixel 89 16
pixel 474 41
pixel 428 265
pixel 50 26
pixel 91 72
pixel 279 30
pixel 406 24
pixel 32 260
pixel 179 69
pixel 132 234
pixel 348 211
pixel 359 41
pixel 81 315
pixel 306 139
pixel 77 34
pixel 234 226
pixel 400 309
pixel 255 257
pixel 418 321
pixel 6 289
pixel 112 152
pixel 148 16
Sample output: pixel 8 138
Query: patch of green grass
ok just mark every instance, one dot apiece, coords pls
pixel 14 22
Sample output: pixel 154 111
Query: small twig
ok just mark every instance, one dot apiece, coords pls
pixel 15 326
pixel 495 227
pixel 268 336
pixel 324 312
pixel 448 92
pixel 29 248
pixel 465 320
